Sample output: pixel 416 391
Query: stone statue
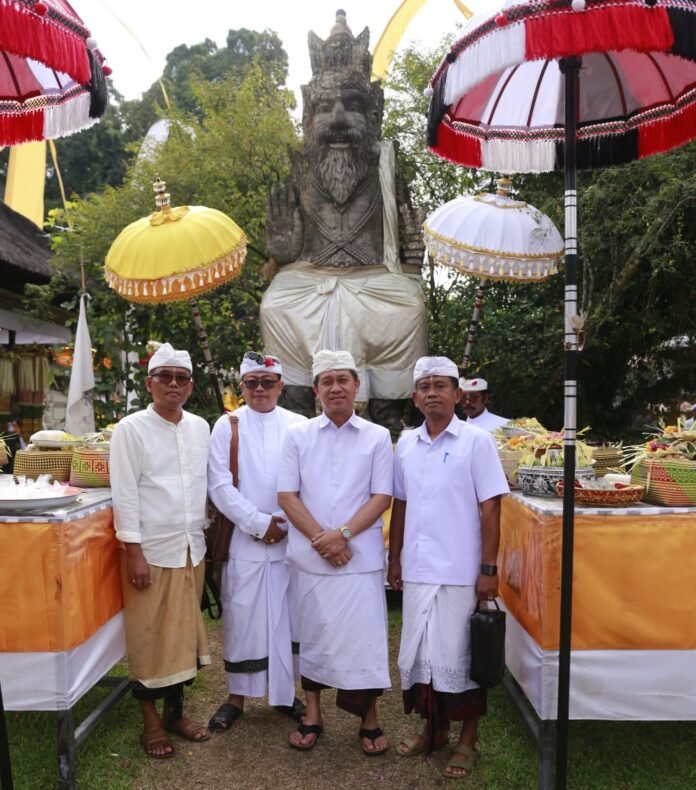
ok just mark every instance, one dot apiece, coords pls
pixel 345 238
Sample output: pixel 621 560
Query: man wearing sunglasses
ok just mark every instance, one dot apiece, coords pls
pixel 255 606
pixel 158 483
pixel 474 402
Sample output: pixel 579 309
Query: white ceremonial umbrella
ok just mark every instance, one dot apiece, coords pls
pixel 493 237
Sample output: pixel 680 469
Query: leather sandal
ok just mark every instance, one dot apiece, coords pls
pixel 371 735
pixel 307 729
pixel 224 717
pixel 151 740
pixel 463 757
pixel 187 729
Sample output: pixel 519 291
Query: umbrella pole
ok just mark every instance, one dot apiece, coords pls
pixel 570 67
pixel 203 339
pixel 473 326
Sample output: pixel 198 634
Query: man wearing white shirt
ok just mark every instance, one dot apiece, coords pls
pixel 335 482
pixel 255 607
pixel 443 544
pixel 474 403
pixel 158 482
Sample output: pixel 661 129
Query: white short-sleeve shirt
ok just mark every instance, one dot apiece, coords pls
pixel 336 471
pixel 443 480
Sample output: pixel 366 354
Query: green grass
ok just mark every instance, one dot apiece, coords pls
pixel 603 755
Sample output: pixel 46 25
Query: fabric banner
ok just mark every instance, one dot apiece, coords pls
pixel 633 582
pixel 79 417
pixel 64 585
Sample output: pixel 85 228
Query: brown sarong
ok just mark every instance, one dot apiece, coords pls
pixel 165 635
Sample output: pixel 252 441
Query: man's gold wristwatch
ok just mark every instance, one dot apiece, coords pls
pixel 347 532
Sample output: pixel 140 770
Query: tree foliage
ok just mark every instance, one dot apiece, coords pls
pixel 224 159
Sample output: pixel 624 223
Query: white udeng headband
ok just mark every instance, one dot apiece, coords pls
pixel 332 360
pixel 167 356
pixel 434 366
pixel 260 363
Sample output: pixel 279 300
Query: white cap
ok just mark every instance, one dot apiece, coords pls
pixel 167 356
pixel 253 362
pixel 434 366
pixel 332 360
pixel 473 385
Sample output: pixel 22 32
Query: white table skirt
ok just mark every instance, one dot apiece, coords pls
pixel 645 685
pixel 57 680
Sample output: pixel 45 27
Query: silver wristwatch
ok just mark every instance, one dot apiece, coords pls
pixel 347 532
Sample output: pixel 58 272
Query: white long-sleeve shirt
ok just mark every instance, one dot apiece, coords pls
pixel 158 485
pixel 252 504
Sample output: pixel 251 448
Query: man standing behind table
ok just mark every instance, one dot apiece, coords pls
pixel 256 616
pixel 443 545
pixel 158 484
pixel 335 481
pixel 474 403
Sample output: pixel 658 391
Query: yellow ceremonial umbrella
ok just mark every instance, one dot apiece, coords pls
pixel 176 254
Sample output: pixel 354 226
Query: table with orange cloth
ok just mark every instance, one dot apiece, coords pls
pixel 633 645
pixel 61 622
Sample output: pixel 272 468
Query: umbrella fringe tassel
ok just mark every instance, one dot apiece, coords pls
pixel 27 34
pixel 179 286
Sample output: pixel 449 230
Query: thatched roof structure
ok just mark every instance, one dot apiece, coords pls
pixel 24 251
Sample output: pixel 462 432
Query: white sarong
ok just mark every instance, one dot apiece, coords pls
pixel 342 629
pixel 435 636
pixel 256 630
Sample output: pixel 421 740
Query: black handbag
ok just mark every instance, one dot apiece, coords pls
pixel 487 633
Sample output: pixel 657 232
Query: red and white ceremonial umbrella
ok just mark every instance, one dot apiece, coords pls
pixel 546 85
pixel 492 237
pixel 51 72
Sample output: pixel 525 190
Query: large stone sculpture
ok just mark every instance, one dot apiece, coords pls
pixel 345 238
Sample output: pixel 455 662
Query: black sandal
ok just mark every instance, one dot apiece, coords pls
pixel 307 729
pixel 295 711
pixel 224 717
pixel 371 735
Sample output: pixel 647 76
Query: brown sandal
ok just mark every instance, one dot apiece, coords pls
pixel 153 739
pixel 188 730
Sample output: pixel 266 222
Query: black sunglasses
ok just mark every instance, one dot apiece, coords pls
pixel 252 384
pixel 166 378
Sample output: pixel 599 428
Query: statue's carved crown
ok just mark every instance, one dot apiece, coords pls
pixel 341 51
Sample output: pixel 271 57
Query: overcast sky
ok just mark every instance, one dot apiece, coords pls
pixel 124 28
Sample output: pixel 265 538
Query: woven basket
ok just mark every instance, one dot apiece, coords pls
pixel 607 459
pixel 667 481
pixel 90 468
pixel 510 460
pixel 32 463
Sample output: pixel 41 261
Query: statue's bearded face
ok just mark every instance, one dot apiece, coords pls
pixel 339 139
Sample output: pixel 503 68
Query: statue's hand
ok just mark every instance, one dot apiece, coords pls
pixel 284 232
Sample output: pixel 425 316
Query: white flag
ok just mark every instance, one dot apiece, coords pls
pixel 79 418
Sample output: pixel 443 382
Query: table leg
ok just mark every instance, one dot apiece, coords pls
pixel 5 765
pixel 67 750
pixel 542 730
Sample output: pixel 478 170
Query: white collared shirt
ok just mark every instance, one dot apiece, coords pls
pixel 252 504
pixel 487 421
pixel 443 480
pixel 336 471
pixel 158 485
